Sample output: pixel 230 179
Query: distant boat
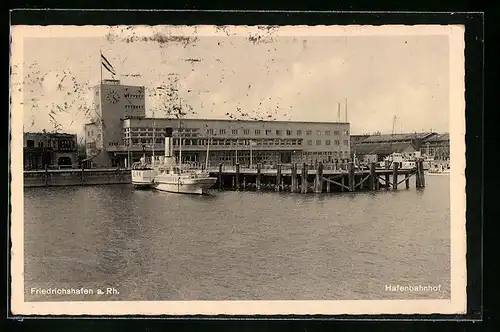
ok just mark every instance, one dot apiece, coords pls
pixel 439 169
pixel 404 162
pixel 170 177
pixel 143 175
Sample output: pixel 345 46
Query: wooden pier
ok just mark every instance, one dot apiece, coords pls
pixel 306 178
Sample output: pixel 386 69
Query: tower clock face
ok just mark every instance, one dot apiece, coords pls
pixel 113 97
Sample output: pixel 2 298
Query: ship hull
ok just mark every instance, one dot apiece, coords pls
pixel 143 179
pixel 196 186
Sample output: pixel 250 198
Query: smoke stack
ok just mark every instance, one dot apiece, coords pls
pixel 168 142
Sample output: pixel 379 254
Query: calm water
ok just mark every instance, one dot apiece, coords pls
pixel 237 245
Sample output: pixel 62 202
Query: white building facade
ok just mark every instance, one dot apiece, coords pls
pixel 125 134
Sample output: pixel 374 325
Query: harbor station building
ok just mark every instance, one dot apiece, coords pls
pixel 122 133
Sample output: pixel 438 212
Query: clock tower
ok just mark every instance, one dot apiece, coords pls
pixel 114 102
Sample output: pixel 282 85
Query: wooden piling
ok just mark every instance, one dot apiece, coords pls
pixel 418 183
pixel 278 178
pixel 237 177
pixel 82 175
pixel 422 177
pixel 244 183
pixel 46 175
pixel 294 187
pixel 319 178
pixel 373 176
pixel 387 166
pixel 257 180
pixel 220 177
pixel 304 185
pixel 350 175
pixel 342 180
pixel 395 176
pixel 328 187
pixel 407 182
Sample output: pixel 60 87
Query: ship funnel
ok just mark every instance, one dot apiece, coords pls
pixel 168 142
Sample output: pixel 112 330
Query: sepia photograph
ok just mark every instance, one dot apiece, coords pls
pixel 240 170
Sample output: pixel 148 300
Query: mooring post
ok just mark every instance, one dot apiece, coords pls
pixel 328 186
pixel 293 182
pixel 237 176
pixel 220 177
pixel 417 175
pixel 319 178
pixel 395 176
pixel 407 181
pixel 422 178
pixel 350 175
pixel 82 174
pixel 387 166
pixel 46 175
pixel 342 180
pixel 257 180
pixel 304 185
pixel 278 178
pixel 373 176
pixel 244 183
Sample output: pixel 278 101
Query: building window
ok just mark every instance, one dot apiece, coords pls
pixel 318 142
pixel 299 132
pixel 318 132
pixel 210 131
pixel 246 131
pixel 288 132
pixel 337 142
pixel 268 132
pixel 346 142
pixel 328 142
pixel 278 132
pixel 40 144
pixel 346 132
pixel 235 131
pixel 309 142
pixel 257 131
pixel 30 143
pixel 336 132
pixel 309 132
pixel 327 133
pixel 222 131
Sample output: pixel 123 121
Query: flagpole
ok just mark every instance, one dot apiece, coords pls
pixel 100 62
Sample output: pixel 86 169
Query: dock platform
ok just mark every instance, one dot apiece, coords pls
pixel 306 178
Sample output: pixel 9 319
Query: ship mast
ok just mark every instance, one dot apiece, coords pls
pixel 180 136
pixel 154 125
pixel 208 152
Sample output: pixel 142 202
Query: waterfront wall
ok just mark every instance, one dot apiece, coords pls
pixel 76 177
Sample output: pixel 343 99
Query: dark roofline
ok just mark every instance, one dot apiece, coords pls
pixel 48 133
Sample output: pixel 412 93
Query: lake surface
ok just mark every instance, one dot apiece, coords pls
pixel 149 245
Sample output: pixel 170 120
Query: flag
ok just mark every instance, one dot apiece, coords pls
pixel 107 65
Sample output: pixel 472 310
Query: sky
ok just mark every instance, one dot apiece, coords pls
pixel 277 76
